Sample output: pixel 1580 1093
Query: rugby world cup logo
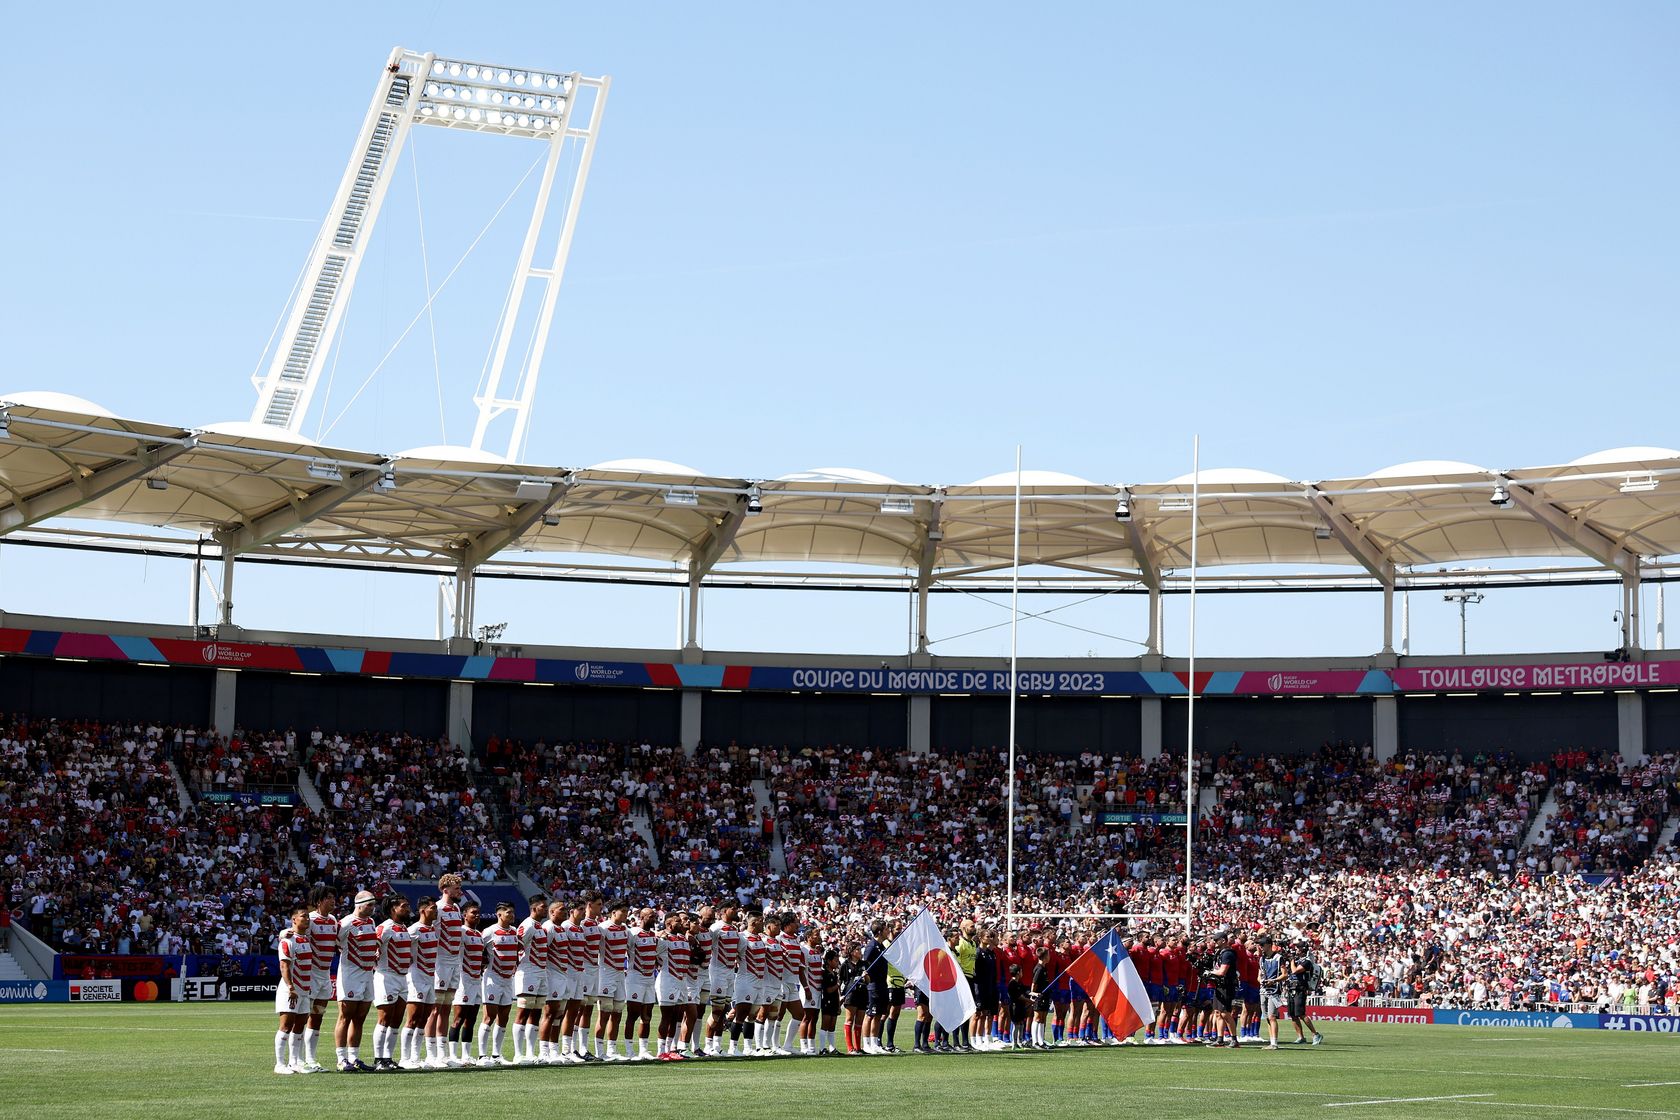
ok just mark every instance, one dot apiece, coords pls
pixel 582 671
pixel 1275 682
pixel 210 652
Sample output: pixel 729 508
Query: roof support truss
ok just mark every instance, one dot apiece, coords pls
pixel 1351 537
pixel 1578 534
pixel 480 548
pixel 75 491
pixel 277 523
pixel 714 544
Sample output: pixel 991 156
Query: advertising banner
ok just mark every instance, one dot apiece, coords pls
pixel 199 989
pixel 1660 1024
pixel 1519 678
pixel 252 987
pixel 1334 1013
pixel 1543 1020
pixel 33 991
pixel 72 966
pixel 95 991
pixel 143 991
pixel 247 797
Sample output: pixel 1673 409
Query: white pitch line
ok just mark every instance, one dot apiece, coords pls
pixel 1573 1108
pixel 1250 1092
pixel 1407 1100
pixel 29 1050
pixel 1649 1084
pixel 1412 1069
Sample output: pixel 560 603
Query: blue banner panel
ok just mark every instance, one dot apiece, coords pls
pixel 34 991
pixel 1660 1024
pixel 1554 1020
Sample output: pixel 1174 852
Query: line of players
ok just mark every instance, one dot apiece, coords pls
pixel 434 979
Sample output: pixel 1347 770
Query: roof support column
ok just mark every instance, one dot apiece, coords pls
pixel 1630 610
pixel 1152 644
pixel 691 624
pixel 461 617
pixel 931 536
pixel 1388 616
pixel 225 616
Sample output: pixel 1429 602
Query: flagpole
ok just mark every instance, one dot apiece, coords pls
pixel 1014 626
pixel 1190 702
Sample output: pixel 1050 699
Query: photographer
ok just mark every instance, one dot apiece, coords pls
pixel 1223 979
pixel 1273 980
pixel 1305 978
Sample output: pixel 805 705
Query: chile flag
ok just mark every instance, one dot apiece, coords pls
pixel 1109 977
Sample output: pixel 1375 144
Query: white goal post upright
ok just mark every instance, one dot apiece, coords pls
pixel 1011 915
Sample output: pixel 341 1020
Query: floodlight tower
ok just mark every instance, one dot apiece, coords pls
pixel 415 88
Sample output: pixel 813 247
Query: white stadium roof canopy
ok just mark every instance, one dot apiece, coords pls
pixel 262 491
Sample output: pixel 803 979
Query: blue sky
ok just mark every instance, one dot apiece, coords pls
pixel 1325 237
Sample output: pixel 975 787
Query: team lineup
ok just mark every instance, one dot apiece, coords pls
pixel 579 982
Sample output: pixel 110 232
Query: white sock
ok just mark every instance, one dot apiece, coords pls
pixel 434 1046
pixel 280 1045
pixel 496 1034
pixel 310 1038
pixel 378 1041
pixel 341 1053
pixel 300 1053
pixel 483 1036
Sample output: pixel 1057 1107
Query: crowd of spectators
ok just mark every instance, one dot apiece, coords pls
pixel 1609 813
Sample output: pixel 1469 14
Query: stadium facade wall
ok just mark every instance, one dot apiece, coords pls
pixel 692 696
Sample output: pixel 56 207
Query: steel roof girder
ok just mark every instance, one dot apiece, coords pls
pixel 67 495
pixel 1580 535
pixel 1351 537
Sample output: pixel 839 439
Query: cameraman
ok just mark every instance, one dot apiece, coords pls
pixel 1223 978
pixel 1304 979
pixel 1273 980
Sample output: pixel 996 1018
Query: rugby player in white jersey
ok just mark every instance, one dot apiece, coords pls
pixel 615 959
pixel 358 956
pixel 810 989
pixel 694 1022
pixel 531 981
pixel 573 1048
pixel 748 981
pixel 591 986
pixel 469 990
pixel 670 985
pixel 448 964
pixel 557 983
pixel 768 1005
pixel 390 981
pixel 793 978
pixel 724 963
pixel 323 941
pixel 295 994
pixel 502 943
pixel 641 972
pixel 422 1050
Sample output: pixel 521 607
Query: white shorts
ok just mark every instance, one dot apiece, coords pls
pixel 721 982
pixel 448 975
pixel 638 989
pixel 498 991
pixel 389 988
pixel 790 991
pixel 470 992
pixel 422 988
pixel 588 983
pixel 289 1002
pixel 610 988
pixel 769 993
pixel 355 985
pixel 673 992
pixel 746 989
pixel 321 986
pixel 558 985
pixel 810 999
pixel 531 983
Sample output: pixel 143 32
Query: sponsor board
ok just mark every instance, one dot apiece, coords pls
pixel 95 991
pixel 252 987
pixel 33 991
pixel 71 966
pixel 246 797
pixel 1418 1016
pixel 142 991
pixel 1541 1020
pixel 199 989
pixel 1661 1024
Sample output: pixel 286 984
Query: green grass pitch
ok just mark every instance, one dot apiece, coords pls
pixel 194 1061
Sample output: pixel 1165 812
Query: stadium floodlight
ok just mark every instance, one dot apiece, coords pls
pixel 1175 505
pixel 1639 484
pixel 551 519
pixel 155 483
pixel 682 496
pixel 327 471
pixel 897 505
pixel 387 481
pixel 416 88
pixel 1122 509
pixel 1322 533
pixel 1501 497
pixel 5 425
pixel 755 500
pixel 531 490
